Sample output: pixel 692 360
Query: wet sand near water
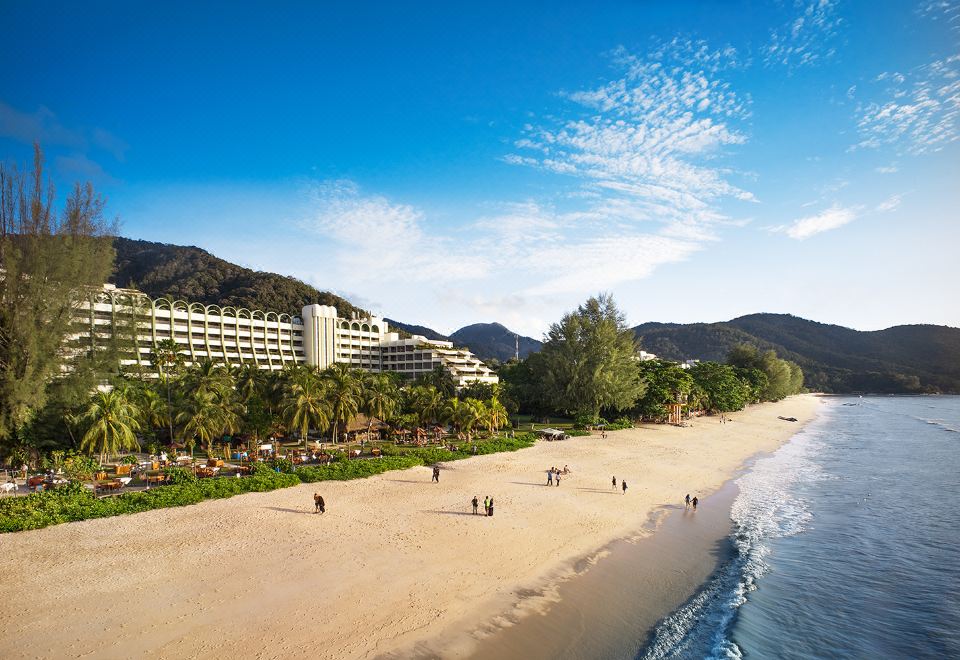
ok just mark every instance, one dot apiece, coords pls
pixel 612 602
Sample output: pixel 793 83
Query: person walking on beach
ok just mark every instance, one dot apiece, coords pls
pixel 550 477
pixel 687 501
pixel 318 504
pixel 695 503
pixel 475 503
pixel 558 478
pixel 436 473
pixel 486 505
pixel 490 508
pixel 624 484
pixel 614 482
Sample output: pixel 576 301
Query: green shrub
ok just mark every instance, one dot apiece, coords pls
pixel 620 424
pixel 577 433
pixel 282 465
pixel 355 469
pixel 178 476
pixel 129 460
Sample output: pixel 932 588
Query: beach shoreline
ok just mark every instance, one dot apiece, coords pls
pixel 394 563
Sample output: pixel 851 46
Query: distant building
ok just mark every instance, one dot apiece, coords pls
pixel 689 364
pixel 644 356
pixel 134 322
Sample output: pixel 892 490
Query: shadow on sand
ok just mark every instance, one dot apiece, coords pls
pixel 455 513
pixel 281 509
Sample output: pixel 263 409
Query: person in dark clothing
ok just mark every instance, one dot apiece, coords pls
pixel 687 501
pixel 436 473
pixel 695 503
pixel 624 485
pixel 614 482
pixel 550 477
pixel 318 504
pixel 476 503
pixel 490 508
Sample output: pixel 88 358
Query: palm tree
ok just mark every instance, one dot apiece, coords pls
pixel 113 423
pixel 379 399
pixel 168 360
pixel 154 413
pixel 306 407
pixel 248 380
pixel 496 416
pixel 201 417
pixel 469 412
pixel 427 402
pixel 343 393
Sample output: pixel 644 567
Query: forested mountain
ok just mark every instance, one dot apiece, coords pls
pixel 421 330
pixel 492 340
pixel 908 358
pixel 195 275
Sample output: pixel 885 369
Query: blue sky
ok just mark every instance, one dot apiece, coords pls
pixel 451 164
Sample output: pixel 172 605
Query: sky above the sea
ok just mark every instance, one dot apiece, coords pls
pixel 453 163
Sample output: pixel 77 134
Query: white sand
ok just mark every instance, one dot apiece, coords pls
pixel 394 561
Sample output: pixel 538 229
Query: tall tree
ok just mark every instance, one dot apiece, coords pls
pixel 48 259
pixel 589 360
pixel 112 423
pixel 305 405
pixel 343 395
pixel 379 399
pixel 168 360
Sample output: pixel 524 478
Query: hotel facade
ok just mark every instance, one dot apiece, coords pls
pixel 234 336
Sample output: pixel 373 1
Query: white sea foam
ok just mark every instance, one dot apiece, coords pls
pixel 768 506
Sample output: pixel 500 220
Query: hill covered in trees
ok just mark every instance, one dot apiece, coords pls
pixel 195 275
pixel 901 359
pixel 493 341
pixel 421 330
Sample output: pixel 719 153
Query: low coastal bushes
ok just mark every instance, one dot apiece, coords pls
pixel 75 502
pixel 345 470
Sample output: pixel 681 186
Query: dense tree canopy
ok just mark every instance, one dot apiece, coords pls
pixel 589 361
pixel 48 258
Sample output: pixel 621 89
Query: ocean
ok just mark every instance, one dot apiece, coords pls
pixel 846 543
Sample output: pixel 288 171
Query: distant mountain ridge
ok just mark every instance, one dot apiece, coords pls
pixel 421 330
pixel 901 359
pixel 494 341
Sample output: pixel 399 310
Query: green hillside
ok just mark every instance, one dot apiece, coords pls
pixel 195 275
pixel 910 358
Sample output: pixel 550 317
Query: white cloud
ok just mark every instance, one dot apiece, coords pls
pixel 646 148
pixel 947 11
pixel 379 238
pixel 889 204
pixel 832 218
pixel 892 168
pixel 805 39
pixel 918 113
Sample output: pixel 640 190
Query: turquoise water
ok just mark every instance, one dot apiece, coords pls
pixel 847 543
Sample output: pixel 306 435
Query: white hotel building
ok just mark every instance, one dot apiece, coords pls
pixel 268 340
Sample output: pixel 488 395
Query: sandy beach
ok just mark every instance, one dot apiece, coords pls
pixel 396 561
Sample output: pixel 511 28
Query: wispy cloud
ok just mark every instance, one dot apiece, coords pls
pixel 806 40
pixel 947 11
pixel 892 168
pixel 890 204
pixel 920 110
pixel 831 218
pixel 43 126
pixel 379 238
pixel 646 148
